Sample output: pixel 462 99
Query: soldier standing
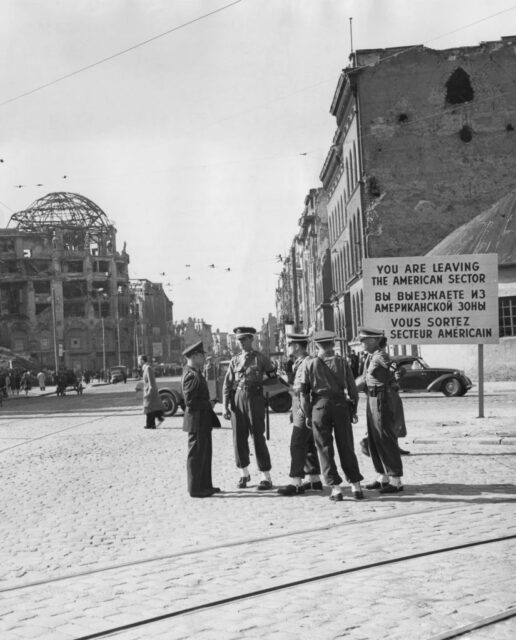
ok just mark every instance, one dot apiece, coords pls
pixel 330 400
pixel 198 421
pixel 383 443
pixel 244 404
pixel 303 453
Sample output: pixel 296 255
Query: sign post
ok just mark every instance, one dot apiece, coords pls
pixel 435 300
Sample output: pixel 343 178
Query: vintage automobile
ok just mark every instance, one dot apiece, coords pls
pixel 117 374
pixel 417 375
pixel 276 390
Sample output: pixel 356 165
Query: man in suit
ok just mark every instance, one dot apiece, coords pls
pixel 198 421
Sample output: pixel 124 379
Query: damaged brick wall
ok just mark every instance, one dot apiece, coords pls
pixel 438 141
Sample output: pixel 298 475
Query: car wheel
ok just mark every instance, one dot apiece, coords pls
pixel 169 402
pixel 452 387
pixel 281 403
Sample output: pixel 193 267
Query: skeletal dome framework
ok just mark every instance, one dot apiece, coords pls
pixel 60 210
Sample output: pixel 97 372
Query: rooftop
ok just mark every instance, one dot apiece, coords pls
pixel 493 231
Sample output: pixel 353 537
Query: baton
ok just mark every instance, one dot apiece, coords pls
pixel 267 422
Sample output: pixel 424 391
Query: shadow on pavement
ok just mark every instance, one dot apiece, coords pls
pixel 450 492
pixel 463 453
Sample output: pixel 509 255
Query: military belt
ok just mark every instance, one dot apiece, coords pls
pixel 253 388
pixel 331 395
pixel 374 391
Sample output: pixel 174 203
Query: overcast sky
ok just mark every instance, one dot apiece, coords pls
pixel 194 144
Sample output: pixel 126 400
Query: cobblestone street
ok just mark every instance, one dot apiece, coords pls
pixel 98 531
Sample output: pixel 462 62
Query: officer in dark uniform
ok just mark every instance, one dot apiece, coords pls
pixel 330 400
pixel 381 436
pixel 198 421
pixel 303 453
pixel 244 404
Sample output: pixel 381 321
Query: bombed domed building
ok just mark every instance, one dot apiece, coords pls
pixel 64 286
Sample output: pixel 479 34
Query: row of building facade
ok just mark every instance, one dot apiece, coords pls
pixel 424 143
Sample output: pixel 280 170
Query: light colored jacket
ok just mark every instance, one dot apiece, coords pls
pixel 151 399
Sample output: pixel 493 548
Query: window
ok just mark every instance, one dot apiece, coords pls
pixel 74 309
pixel 42 286
pixel 355 164
pixel 507 316
pixel 458 88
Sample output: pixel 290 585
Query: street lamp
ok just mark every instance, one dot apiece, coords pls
pixel 99 296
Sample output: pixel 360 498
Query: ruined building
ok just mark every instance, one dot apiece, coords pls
pixel 425 141
pixel 64 287
pixel 153 320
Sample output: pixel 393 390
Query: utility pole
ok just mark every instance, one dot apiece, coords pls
pixel 54 322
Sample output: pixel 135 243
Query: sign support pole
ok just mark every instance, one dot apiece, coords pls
pixel 480 380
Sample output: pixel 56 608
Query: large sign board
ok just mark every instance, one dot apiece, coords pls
pixel 433 299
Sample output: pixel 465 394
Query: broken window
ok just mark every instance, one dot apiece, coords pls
pixel 458 88
pixel 42 286
pixel 74 289
pixel 6 245
pixel 35 267
pixel 42 308
pixel 9 266
pixel 11 298
pixel 74 309
pixel 75 266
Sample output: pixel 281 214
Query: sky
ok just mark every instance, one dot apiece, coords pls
pixel 201 144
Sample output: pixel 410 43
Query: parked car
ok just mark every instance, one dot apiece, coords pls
pixel 118 374
pixel 275 389
pixel 417 375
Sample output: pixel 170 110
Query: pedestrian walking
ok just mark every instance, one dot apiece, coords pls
pixel 152 406
pixel 244 404
pixel 25 384
pixel 41 380
pixel 198 421
pixel 330 400
pixel 8 383
pixel 382 440
pixel 303 453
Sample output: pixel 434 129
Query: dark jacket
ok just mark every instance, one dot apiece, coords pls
pixel 199 414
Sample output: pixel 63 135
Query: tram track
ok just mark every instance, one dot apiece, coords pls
pixel 220 547
pixel 482 623
pixel 213 604
pixel 52 433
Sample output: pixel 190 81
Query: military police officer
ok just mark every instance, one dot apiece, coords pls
pixel 198 421
pixel 303 453
pixel 244 404
pixel 330 399
pixel 382 440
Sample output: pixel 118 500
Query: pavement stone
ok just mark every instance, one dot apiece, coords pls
pixel 96 490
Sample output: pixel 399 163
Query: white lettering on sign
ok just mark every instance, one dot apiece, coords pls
pixel 433 299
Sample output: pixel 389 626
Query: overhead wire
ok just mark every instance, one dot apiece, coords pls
pixel 120 53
